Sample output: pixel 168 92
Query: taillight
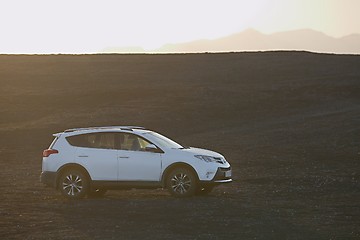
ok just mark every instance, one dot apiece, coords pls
pixel 48 152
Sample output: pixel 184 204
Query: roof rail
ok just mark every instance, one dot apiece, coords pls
pixel 104 127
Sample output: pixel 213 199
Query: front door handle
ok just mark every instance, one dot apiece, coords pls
pixel 83 156
pixel 123 157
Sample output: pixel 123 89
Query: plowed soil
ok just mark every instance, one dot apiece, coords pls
pixel 288 122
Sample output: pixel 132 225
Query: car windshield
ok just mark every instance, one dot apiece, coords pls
pixel 163 141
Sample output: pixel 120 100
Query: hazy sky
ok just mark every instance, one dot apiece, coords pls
pixel 86 26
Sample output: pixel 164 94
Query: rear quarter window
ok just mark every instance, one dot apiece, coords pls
pixel 78 140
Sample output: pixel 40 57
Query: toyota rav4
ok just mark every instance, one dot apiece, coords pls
pixel 89 161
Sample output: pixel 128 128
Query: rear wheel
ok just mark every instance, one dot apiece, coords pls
pixel 73 184
pixel 181 182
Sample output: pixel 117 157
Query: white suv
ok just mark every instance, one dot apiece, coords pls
pixel 89 161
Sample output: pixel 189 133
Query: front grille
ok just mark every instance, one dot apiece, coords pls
pixel 225 169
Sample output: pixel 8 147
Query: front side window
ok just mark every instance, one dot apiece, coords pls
pixel 132 142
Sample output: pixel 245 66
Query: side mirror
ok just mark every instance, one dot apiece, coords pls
pixel 152 148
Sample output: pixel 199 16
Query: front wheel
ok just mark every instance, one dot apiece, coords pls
pixel 73 184
pixel 181 182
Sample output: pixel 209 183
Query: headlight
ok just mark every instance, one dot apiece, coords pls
pixel 207 158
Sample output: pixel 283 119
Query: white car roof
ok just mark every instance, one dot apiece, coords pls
pixel 76 131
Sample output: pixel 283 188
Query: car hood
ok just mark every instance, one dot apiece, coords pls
pixel 200 151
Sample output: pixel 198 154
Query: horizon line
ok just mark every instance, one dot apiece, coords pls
pixel 141 50
pixel 177 53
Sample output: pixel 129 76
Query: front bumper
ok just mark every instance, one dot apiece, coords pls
pixel 222 175
pixel 48 178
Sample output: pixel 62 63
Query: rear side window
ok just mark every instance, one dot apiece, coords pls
pixel 93 140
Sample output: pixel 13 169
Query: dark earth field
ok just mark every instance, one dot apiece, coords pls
pixel 288 122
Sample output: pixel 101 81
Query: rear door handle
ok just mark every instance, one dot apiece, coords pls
pixel 123 157
pixel 83 156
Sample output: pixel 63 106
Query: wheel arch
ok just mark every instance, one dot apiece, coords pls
pixel 174 166
pixel 70 166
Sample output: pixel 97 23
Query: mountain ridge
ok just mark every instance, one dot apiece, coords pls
pixel 253 40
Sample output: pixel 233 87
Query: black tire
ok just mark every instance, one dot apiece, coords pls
pixel 97 193
pixel 181 182
pixel 202 191
pixel 73 184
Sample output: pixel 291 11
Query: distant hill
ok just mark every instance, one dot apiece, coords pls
pixel 252 40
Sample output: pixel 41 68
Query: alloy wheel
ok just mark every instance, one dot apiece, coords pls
pixel 72 185
pixel 180 183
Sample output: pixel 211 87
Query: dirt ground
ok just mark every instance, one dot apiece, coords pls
pixel 288 122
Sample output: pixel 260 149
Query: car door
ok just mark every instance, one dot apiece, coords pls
pixel 136 164
pixel 97 153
